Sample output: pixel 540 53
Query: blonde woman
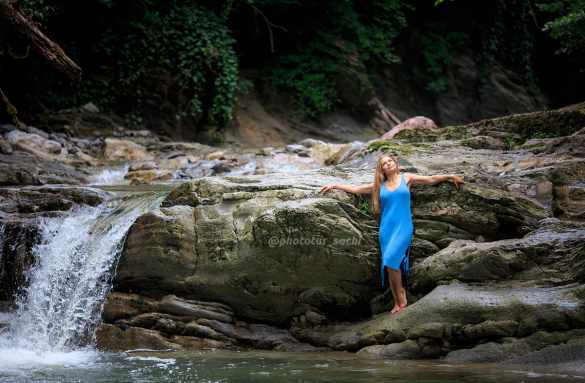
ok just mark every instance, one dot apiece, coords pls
pixel 391 205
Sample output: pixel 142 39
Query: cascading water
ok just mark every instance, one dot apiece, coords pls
pixel 110 176
pixel 61 305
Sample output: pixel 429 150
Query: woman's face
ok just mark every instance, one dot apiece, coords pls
pixel 388 165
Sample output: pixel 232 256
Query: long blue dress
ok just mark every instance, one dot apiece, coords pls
pixel 396 227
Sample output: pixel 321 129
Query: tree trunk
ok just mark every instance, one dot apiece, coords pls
pixel 47 49
pixel 383 119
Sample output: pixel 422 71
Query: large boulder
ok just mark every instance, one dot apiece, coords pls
pixel 21 168
pixel 174 322
pixel 457 316
pixel 551 253
pixel 271 249
pixel 36 145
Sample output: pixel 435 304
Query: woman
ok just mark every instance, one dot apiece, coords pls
pixel 391 205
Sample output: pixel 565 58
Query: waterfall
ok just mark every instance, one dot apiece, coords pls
pixel 74 264
pixel 110 176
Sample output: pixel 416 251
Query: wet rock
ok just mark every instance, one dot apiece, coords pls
pixel 37 131
pixel 184 194
pixel 195 309
pixel 485 142
pixel 197 330
pixel 116 149
pixel 167 324
pixel 408 349
pixel 543 254
pixel 477 209
pixel 199 168
pixel 194 343
pixel 418 122
pixel 451 308
pixel 147 165
pixel 114 338
pixel 139 177
pixel 515 349
pixel 90 107
pixel 5 147
pixel 299 150
pixel 219 155
pixel 568 356
pixel 123 306
pixel 159 251
pixel 36 145
pixel 254 335
pixel 315 318
pixel 38 199
pixel 25 169
pixel 17 240
pixel 235 258
pixel 7 128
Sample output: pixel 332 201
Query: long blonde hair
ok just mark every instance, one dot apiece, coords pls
pixel 379 179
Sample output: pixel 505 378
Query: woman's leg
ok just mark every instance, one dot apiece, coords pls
pixel 388 273
pixel 398 291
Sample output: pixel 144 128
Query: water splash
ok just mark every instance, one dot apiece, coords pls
pixel 110 176
pixel 62 304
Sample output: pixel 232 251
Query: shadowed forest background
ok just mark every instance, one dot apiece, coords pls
pixel 181 68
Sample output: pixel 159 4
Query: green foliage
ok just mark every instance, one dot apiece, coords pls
pixel 567 25
pixel 187 40
pixel 438 50
pixel 348 32
pixel 309 75
pixel 38 10
pixel 363 205
pixel 139 54
pixel 510 142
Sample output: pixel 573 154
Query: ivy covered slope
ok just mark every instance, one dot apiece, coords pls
pixel 180 66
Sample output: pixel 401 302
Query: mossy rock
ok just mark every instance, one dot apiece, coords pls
pixel 390 147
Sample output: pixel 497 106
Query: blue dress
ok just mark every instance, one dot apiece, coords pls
pixel 396 227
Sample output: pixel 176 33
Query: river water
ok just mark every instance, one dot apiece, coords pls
pixel 253 366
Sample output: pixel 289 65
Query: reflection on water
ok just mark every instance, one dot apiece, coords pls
pixel 231 367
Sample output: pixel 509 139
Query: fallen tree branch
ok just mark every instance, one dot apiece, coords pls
pixel 269 26
pixel 10 109
pixel 46 48
pixel 384 113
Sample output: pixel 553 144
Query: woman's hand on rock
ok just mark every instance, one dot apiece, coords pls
pixel 326 188
pixel 457 181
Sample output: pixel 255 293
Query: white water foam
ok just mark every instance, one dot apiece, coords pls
pixel 61 306
pixel 110 176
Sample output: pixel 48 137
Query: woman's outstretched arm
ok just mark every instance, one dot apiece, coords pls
pixel 416 179
pixel 361 189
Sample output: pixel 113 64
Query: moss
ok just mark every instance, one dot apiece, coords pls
pixel 558 177
pixel 580 293
pixel 388 146
pixel 459 132
pixel 548 124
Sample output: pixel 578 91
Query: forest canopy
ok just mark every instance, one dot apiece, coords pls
pixel 191 59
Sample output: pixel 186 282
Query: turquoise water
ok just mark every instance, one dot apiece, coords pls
pixel 228 367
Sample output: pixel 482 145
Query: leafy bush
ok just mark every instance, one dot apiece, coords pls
pixel 192 42
pixel 567 25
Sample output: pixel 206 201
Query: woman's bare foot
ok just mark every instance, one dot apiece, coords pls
pixel 402 301
pixel 399 306
pixel 395 309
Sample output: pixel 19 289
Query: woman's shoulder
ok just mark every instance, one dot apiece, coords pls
pixel 407 177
